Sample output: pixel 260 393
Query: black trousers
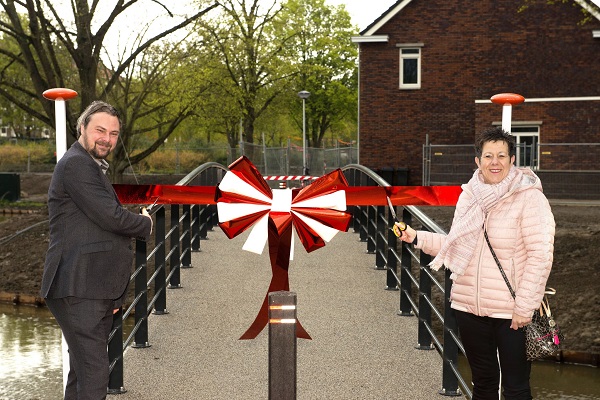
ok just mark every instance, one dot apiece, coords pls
pixel 86 325
pixel 489 340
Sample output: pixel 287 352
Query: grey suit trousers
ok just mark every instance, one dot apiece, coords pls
pixel 86 325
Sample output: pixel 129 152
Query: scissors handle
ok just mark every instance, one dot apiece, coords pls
pixel 397 229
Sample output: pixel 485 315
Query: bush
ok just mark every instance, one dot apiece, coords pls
pixel 18 155
pixel 169 161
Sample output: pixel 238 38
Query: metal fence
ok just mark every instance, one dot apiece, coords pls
pixel 289 160
pixel 567 170
pixel 178 232
pixel 177 157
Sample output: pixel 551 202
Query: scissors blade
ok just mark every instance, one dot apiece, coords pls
pixel 392 208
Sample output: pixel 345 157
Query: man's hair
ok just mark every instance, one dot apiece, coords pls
pixel 496 134
pixel 94 108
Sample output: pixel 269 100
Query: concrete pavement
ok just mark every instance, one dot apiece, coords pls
pixel 361 348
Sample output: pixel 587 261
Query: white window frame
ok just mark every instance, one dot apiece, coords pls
pixel 527 131
pixel 410 56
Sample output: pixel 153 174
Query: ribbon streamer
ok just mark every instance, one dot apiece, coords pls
pixel 317 212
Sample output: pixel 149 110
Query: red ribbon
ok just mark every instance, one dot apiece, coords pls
pixel 280 224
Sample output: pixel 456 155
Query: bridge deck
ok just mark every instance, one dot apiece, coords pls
pixel 361 348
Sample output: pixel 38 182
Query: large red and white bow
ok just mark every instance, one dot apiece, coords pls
pixel 317 212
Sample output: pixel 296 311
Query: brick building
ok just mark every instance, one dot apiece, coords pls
pixel 429 67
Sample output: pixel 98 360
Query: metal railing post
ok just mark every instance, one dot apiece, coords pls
pixel 450 353
pixel 392 258
pixel 141 295
pixel 160 263
pixel 424 337
pixel 204 222
pixel 282 345
pixel 196 228
pixel 174 259
pixel 380 239
pixel 405 270
pixel 371 229
pixel 186 238
pixel 115 355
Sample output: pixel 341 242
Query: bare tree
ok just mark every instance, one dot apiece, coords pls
pixel 43 39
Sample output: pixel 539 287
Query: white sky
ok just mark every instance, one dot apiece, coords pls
pixel 363 12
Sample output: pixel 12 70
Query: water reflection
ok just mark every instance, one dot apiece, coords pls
pixel 576 382
pixel 552 381
pixel 30 350
pixel 31 357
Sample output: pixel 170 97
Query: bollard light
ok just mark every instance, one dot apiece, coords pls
pixel 507 100
pixel 60 96
pixel 282 345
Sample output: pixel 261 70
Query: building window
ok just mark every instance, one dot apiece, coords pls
pixel 528 149
pixel 410 68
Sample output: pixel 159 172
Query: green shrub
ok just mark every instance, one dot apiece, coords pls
pixel 167 161
pixel 20 154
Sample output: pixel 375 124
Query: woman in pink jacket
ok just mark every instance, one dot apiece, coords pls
pixel 508 203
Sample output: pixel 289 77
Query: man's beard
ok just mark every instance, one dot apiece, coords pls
pixel 96 154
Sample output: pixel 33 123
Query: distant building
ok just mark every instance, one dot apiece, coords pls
pixel 429 68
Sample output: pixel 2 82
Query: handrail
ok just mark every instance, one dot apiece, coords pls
pixel 174 243
pixel 373 223
pixel 172 247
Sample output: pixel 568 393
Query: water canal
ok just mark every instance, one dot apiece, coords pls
pixel 30 367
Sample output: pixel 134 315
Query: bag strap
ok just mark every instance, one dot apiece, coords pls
pixel 544 306
pixel 512 292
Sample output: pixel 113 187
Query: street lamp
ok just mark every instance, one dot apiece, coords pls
pixel 304 95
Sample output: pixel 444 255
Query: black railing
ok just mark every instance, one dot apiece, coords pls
pixel 173 244
pixel 421 292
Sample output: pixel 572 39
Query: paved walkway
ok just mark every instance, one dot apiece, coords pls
pixel 361 348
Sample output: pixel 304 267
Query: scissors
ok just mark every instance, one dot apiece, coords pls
pixel 395 228
pixel 149 208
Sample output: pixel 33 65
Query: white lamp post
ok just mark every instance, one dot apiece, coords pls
pixel 60 96
pixel 507 100
pixel 304 95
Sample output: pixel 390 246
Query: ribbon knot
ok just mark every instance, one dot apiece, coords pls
pixel 317 212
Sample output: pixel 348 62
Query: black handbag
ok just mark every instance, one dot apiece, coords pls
pixel 542 335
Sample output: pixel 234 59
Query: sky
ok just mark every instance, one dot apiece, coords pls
pixel 119 41
pixel 363 12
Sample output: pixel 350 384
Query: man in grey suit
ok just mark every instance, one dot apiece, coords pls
pixel 89 258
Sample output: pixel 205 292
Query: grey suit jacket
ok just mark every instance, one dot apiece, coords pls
pixel 90 254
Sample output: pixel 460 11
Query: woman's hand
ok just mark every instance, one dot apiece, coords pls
pixel 406 235
pixel 519 321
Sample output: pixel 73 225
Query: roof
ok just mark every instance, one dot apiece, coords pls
pixel 591 6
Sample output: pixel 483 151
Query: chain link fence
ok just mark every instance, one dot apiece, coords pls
pixel 177 157
pixel 567 170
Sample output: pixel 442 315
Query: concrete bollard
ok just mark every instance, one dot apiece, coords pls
pixel 282 345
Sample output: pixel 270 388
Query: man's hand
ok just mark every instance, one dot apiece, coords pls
pixel 144 212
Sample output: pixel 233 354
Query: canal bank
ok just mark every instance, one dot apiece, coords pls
pixel 30 350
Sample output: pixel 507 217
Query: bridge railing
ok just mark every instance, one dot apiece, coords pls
pixel 422 292
pixel 177 233
pixel 179 229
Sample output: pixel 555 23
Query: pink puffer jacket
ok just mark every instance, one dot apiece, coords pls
pixel 521 231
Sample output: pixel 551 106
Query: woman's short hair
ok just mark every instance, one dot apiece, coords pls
pixel 94 108
pixel 496 134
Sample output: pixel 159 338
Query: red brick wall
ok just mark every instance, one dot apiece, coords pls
pixel 473 50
